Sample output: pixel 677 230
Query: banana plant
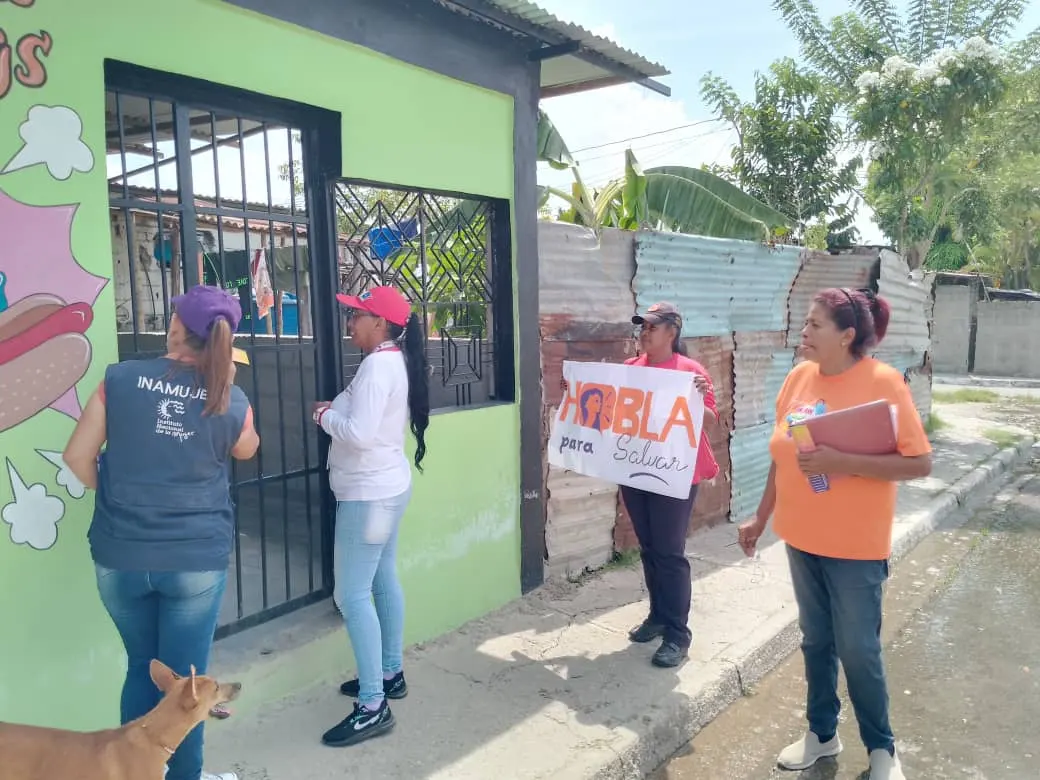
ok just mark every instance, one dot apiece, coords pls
pixel 672 198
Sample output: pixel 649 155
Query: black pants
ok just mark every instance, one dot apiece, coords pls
pixel 660 523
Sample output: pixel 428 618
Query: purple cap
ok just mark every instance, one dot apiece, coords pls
pixel 201 306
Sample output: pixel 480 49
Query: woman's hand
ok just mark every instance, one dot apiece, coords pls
pixel 318 408
pixel 748 535
pixel 822 460
pixel 563 385
pixel 701 383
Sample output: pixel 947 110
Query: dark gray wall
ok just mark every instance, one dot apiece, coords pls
pixel 425 35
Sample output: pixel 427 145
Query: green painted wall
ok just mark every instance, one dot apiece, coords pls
pixel 62 661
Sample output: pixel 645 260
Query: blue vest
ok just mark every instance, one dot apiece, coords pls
pixel 163 499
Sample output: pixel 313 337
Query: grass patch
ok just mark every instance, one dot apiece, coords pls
pixel 934 423
pixel 965 395
pixel 624 560
pixel 628 559
pixel 1001 437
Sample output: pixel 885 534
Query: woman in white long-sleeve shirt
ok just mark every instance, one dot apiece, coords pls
pixel 372 478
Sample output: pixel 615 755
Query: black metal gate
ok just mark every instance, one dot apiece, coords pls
pixel 212 185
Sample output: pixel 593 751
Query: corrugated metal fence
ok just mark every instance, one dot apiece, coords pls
pixel 743 305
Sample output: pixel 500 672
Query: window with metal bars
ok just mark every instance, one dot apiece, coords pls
pixel 450 255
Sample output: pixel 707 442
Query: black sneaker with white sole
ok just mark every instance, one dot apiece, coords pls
pixel 360 725
pixel 394 688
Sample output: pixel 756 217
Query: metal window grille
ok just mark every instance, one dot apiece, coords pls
pixel 450 256
pixel 203 194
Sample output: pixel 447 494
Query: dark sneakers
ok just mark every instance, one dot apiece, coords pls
pixel 670 655
pixel 395 688
pixel 360 725
pixel 646 631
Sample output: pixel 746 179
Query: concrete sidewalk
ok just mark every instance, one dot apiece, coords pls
pixel 550 687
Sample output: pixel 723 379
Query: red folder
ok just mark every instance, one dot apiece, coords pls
pixel 867 429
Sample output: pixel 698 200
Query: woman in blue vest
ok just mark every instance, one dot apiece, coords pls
pixel 370 474
pixel 163 522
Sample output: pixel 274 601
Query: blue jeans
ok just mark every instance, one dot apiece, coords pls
pixel 366 571
pixel 170 616
pixel 839 612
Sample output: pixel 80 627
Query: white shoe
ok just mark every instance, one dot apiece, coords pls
pixel 885 766
pixel 808 750
pixel 223 776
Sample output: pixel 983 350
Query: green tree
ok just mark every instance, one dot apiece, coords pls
pixel 672 198
pixel 917 119
pixel 788 141
pixel 1006 150
pixel 861 40
pixel 920 83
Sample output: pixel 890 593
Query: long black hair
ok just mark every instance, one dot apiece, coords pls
pixel 678 345
pixel 414 347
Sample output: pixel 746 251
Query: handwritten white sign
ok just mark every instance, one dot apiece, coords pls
pixel 630 425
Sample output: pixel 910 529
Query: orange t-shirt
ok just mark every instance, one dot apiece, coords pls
pixel 853 519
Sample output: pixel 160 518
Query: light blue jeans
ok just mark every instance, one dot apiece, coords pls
pixel 167 615
pixel 366 572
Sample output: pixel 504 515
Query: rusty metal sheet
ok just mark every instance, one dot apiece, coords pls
pixel 579 523
pixel 585 310
pixel 585 281
pixel 907 339
pixel 750 459
pixel 820 270
pixel 719 285
pixel 715 353
pixel 761 362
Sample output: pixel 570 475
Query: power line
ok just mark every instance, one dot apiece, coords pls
pixel 645 135
pixel 613 154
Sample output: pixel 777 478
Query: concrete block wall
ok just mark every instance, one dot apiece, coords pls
pixel 1008 339
pixel 951 328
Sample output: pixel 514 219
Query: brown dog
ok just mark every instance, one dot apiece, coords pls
pixel 137 751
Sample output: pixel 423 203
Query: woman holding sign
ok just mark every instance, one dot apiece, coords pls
pixel 835 512
pixel 661 522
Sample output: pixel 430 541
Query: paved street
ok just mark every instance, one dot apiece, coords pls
pixel 963 656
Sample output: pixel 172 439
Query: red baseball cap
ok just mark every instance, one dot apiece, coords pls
pixel 385 302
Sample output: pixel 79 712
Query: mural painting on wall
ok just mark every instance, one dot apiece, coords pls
pixel 46 296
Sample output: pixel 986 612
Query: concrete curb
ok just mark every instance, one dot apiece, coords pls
pixel 748 661
pixel 983 381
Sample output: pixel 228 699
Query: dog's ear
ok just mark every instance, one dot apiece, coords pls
pixel 162 675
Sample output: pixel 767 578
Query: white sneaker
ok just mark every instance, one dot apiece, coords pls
pixel 885 766
pixel 223 776
pixel 808 750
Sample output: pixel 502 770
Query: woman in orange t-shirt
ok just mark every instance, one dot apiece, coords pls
pixel 839 533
